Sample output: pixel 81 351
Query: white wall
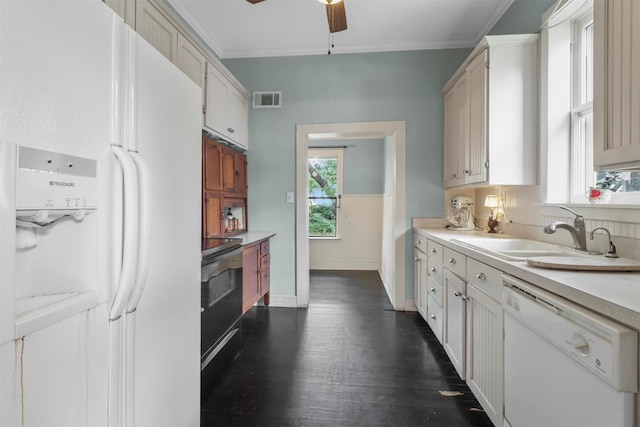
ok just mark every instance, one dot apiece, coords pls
pixel 359 246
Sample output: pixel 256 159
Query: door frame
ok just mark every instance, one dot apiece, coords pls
pixel 396 131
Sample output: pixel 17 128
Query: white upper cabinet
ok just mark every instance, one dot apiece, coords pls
pixel 193 63
pixel 155 28
pixel 493 137
pixel 226 110
pixel 616 104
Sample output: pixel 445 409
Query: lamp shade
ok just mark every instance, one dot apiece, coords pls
pixel 491 201
pixel 329 1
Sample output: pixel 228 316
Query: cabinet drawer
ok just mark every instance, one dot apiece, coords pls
pixel 434 317
pixel 264 247
pixel 434 290
pixel 435 251
pixel 420 242
pixel 455 262
pixel 265 261
pixel 484 277
pixel 434 270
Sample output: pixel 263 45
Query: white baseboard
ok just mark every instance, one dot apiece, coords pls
pixel 338 265
pixel 409 305
pixel 284 301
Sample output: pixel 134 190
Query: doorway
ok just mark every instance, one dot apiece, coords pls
pixel 392 271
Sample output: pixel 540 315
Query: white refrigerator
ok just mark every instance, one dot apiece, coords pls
pixel 100 177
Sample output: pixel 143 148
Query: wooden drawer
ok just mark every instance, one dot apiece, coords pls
pixel 434 290
pixel 264 248
pixel 435 251
pixel 434 317
pixel 420 242
pixel 434 270
pixel 486 278
pixel 455 262
pixel 265 261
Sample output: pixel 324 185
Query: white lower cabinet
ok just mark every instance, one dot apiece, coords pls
pixel 485 350
pixel 464 311
pixel 420 281
pixel 454 343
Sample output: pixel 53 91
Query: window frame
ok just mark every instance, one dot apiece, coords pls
pixel 566 173
pixel 338 153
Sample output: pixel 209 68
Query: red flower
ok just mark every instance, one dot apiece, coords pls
pixel 594 193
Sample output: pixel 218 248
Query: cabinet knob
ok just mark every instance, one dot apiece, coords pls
pixel 231 130
pixel 418 242
pixel 433 269
pixel 481 276
pixel 433 316
pixel 416 259
pixel 466 171
pixel 433 290
pixel 452 260
pixel 456 293
pixel 434 251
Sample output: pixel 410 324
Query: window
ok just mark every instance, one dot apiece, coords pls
pixel 325 189
pixel 567 36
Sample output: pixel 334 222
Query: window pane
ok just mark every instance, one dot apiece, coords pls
pixel 588 64
pixel 323 191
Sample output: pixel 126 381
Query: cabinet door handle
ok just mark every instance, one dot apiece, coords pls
pixel 481 276
pixel 452 260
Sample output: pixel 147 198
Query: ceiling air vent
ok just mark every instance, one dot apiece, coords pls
pixel 267 99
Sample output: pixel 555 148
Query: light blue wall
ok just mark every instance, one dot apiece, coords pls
pixel 352 88
pixel 363 165
pixel 334 89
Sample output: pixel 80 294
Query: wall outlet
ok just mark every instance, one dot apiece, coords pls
pixel 290 197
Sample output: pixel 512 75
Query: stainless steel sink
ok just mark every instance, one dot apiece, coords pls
pixel 512 249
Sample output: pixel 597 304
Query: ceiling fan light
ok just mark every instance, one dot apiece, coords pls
pixel 329 1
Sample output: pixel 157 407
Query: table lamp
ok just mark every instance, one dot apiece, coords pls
pixel 491 201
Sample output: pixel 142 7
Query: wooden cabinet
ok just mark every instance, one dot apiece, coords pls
pixel 616 103
pixel 256 273
pixel 226 112
pixel 490 107
pixel 484 336
pixel 234 171
pixel 224 189
pixel 155 28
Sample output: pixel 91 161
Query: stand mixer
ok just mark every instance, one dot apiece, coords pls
pixel 460 215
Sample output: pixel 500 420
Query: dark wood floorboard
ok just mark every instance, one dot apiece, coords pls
pixel 347 360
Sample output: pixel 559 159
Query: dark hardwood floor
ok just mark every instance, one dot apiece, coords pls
pixel 347 360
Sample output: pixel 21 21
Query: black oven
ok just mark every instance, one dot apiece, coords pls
pixel 221 306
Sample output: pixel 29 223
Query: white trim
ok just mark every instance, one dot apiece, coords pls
pixel 284 301
pixel 342 131
pixel 345 265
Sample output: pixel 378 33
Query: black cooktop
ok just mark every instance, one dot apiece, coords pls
pixel 214 246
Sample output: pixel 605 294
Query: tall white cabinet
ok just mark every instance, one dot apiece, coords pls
pixel 490 107
pixel 616 103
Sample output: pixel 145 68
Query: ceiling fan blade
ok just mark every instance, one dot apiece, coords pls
pixel 337 17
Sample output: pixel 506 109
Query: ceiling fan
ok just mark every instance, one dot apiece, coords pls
pixel 336 14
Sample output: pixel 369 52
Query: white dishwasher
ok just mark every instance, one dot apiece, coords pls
pixel 564 365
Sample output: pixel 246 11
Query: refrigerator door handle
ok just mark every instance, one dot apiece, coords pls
pixel 143 243
pixel 130 239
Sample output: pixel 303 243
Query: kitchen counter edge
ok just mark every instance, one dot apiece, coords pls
pixel 253 237
pixel 618 299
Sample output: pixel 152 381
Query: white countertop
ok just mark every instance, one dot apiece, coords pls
pixel 614 294
pixel 255 236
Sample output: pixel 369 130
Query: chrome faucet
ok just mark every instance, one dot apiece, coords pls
pixel 611 253
pixel 577 230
